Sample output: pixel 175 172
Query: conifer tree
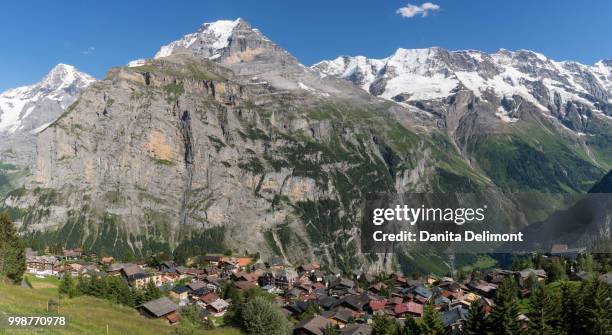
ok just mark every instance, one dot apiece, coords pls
pixel 431 324
pixel 152 292
pixel 503 319
pixel 67 285
pixel 12 252
pixel 544 312
pixel 476 324
pixel 571 309
pixel 598 308
pixel 411 327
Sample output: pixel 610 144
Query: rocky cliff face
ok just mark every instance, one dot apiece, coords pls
pixel 225 141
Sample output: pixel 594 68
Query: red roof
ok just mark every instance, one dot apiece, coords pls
pixel 173 317
pixel 209 297
pixel 377 305
pixel 396 300
pixel 410 308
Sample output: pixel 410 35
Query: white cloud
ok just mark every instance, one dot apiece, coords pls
pixel 413 10
pixel 88 51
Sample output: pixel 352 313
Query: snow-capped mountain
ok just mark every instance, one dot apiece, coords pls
pixel 210 40
pixel 430 74
pixel 27 110
pixel 245 50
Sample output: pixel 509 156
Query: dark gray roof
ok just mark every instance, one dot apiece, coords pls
pixel 453 315
pixel 159 307
pixel 356 329
pixel 315 325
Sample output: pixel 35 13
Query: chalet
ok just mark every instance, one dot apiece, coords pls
pixel 408 308
pixel 266 279
pixel 355 302
pixel 72 254
pixel 167 266
pixel 218 307
pixel 483 288
pixel 107 260
pixel 357 329
pixel 564 251
pixel 423 292
pixel 180 292
pixel 196 285
pixel 308 268
pixel 211 259
pixel 375 306
pixel 496 276
pixel 453 319
pixel 276 263
pixel 314 325
pixel 524 275
pixel 159 308
pixel 243 276
pixel 244 285
pixel 328 302
pixel 377 288
pixel 339 317
pixel 42 265
pixel 285 279
pixel 209 298
pixel 135 276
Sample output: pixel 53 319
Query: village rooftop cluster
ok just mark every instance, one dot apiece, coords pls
pixel 347 303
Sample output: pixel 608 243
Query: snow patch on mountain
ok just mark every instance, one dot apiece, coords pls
pixel 213 36
pixel 59 87
pixel 435 73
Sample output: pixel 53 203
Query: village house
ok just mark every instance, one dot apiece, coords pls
pixel 339 317
pixel 180 292
pixel 357 329
pixel 410 308
pixel 160 308
pixel 72 254
pixel 217 307
pixel 523 276
pixel 107 260
pixel 285 279
pixel 42 265
pixel 314 325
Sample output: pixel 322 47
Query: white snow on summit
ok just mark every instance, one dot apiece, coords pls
pixel 435 73
pixel 214 36
pixel 59 87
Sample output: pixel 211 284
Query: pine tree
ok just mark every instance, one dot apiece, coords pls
pixel 544 312
pixel 411 327
pixel 431 324
pixel 571 309
pixel 152 292
pixel 12 252
pixel 503 319
pixel 598 308
pixel 476 323
pixel 67 285
pixel 383 325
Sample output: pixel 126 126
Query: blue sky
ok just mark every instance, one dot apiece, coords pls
pixel 96 35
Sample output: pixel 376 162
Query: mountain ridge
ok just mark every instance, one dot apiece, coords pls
pixel 252 151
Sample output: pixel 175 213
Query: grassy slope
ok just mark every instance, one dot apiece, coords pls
pixel 87 315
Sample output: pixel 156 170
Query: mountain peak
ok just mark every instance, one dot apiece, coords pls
pixel 210 39
pixel 29 107
pixel 63 76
